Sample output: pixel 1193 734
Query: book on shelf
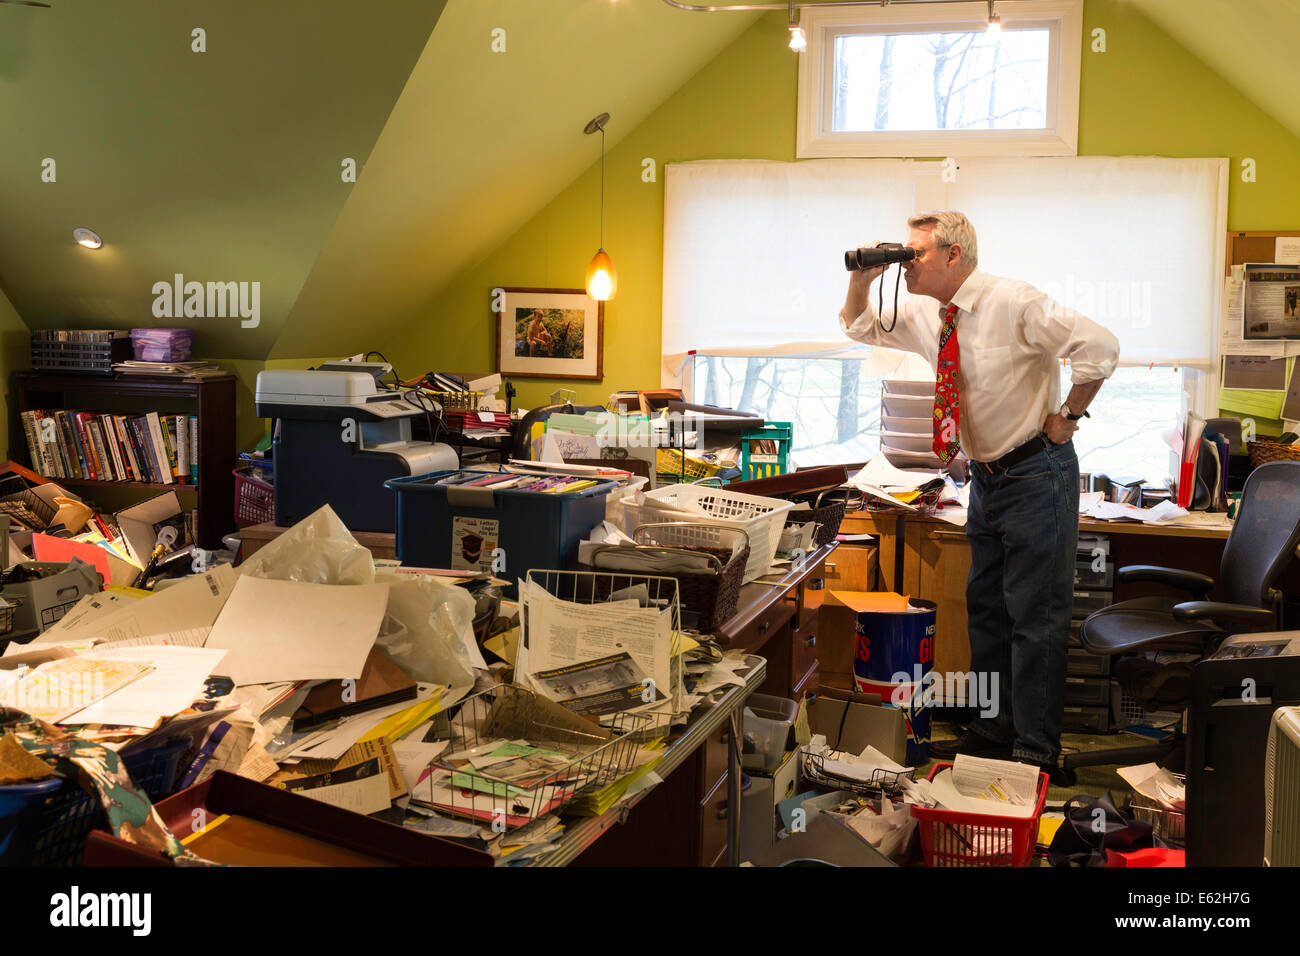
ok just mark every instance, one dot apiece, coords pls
pixel 153 448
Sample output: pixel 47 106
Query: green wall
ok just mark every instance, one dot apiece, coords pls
pixel 15 355
pixel 1146 95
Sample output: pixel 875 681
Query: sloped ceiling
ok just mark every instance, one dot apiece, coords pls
pixel 1250 43
pixel 222 165
pixel 482 140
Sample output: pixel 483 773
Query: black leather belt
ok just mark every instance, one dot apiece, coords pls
pixel 1015 456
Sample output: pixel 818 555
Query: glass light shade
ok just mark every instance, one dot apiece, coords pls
pixel 798 42
pixel 602 277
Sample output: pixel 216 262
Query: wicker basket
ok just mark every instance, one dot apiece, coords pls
pixel 711 595
pixel 1262 452
pixel 829 516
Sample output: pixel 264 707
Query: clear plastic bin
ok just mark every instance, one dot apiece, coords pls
pixel 768 722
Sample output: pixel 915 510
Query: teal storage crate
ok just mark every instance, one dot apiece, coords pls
pixel 763 464
pixel 507 533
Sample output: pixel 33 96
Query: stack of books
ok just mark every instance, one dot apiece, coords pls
pixel 154 448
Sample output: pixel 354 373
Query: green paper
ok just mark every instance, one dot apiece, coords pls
pixel 1254 404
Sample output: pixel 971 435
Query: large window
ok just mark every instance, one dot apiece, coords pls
pixel 835 406
pixel 932 79
pixel 754 281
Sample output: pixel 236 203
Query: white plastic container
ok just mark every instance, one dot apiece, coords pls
pixel 901 388
pixel 907 426
pixel 761 518
pixel 908 406
pixel 614 503
pixel 767 724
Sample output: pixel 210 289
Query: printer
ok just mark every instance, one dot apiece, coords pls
pixel 338 437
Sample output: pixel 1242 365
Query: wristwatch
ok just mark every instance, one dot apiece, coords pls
pixel 1066 413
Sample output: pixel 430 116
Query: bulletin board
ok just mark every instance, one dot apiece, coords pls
pixel 1256 247
pixel 1246 247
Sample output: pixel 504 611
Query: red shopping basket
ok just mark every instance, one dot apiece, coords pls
pixel 254 498
pixel 957 838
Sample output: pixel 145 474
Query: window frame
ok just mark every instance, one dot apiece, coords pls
pixel 815 138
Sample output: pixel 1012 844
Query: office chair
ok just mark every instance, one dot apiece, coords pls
pixel 521 448
pixel 1261 544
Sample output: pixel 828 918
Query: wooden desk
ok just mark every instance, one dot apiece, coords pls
pixel 926 557
pixel 684 820
pixel 258 536
pixel 679 766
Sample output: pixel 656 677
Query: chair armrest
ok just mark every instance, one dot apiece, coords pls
pixel 1174 577
pixel 1190 611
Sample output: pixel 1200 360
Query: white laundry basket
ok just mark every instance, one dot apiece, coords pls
pixel 761 518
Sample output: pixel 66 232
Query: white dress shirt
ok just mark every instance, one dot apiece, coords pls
pixel 1010 339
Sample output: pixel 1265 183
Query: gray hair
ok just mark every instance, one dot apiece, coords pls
pixel 951 227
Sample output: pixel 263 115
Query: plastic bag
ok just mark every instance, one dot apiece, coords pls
pixel 428 631
pixel 319 549
pixel 428 627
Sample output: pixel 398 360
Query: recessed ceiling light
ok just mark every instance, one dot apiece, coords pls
pixel 87 238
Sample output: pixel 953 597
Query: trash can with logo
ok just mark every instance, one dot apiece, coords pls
pixel 895 653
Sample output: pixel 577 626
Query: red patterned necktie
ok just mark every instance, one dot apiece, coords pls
pixel 947 403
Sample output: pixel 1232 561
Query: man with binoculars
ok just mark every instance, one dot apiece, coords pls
pixel 995 345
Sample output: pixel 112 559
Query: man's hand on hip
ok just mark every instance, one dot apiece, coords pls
pixel 1059 429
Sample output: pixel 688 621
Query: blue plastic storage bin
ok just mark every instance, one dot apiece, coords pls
pixel 60 830
pixel 448 526
pixel 21 806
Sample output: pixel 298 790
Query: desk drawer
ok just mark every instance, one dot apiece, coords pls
pixel 852 568
pixel 713 824
pixel 803 646
pixel 1079 663
pixel 1086 574
pixel 713 757
pixel 1086 602
pixel 1087 691
pixel 1080 718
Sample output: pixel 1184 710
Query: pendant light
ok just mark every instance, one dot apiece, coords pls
pixel 602 278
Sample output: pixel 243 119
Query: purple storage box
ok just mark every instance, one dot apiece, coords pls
pixel 162 345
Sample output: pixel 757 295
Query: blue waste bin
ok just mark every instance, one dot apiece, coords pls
pixel 895 653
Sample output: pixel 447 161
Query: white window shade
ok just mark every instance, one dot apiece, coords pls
pixel 753 251
pixel 1134 242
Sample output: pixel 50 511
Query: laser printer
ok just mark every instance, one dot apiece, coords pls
pixel 338 436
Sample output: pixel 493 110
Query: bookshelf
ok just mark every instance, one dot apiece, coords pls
pixel 211 397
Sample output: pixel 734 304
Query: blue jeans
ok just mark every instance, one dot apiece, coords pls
pixel 1023 526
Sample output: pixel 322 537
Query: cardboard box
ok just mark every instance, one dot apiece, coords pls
pixel 866 723
pixel 138 521
pixel 45 600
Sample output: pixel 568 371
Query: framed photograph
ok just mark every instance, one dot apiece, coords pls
pixel 550 333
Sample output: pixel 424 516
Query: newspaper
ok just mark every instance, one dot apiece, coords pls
pixel 606 685
pixel 1271 301
pixel 558 634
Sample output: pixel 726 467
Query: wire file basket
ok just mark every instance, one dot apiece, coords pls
pixel 599 587
pixel 880 783
pixel 566 756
